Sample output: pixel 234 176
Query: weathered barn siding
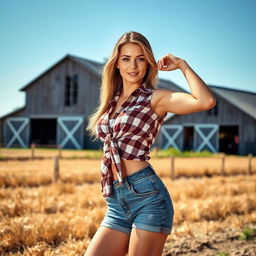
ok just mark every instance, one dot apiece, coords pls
pixel 46 95
pixel 248 136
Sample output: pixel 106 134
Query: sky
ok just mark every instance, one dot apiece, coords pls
pixel 217 38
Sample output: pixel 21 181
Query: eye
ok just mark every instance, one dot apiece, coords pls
pixel 125 59
pixel 141 59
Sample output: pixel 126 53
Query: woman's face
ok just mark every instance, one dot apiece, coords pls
pixel 132 64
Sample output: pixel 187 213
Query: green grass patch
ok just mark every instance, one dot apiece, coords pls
pixel 175 152
pixel 222 253
pixel 248 233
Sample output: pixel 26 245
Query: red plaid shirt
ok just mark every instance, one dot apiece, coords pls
pixel 134 130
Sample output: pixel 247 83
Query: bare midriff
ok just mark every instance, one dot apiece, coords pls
pixel 129 167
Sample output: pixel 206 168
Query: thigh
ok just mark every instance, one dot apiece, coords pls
pixel 108 242
pixel 146 243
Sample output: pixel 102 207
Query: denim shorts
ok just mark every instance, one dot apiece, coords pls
pixel 142 201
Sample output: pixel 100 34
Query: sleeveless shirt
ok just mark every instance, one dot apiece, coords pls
pixel 134 129
pixel 111 121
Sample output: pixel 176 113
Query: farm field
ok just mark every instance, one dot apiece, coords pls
pixel 39 217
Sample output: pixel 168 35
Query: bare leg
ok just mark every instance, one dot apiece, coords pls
pixel 146 243
pixel 108 242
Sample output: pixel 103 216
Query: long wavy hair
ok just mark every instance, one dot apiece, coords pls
pixel 111 81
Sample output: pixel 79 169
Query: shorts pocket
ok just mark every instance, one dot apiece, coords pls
pixel 144 186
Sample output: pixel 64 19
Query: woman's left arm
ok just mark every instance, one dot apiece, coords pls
pixel 201 98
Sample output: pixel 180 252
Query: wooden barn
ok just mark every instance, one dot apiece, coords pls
pixel 58 103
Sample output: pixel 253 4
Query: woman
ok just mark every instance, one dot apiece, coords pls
pixel 128 119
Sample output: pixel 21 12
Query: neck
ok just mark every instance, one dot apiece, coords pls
pixel 128 89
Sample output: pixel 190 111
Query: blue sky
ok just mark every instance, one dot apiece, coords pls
pixel 216 38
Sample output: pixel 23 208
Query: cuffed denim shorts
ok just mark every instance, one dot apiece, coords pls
pixel 142 201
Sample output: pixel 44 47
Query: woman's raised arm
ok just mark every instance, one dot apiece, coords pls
pixel 201 98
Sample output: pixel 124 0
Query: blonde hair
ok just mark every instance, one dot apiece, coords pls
pixel 111 81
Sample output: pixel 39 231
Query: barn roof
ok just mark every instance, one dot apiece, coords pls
pixel 16 111
pixel 90 65
pixel 244 100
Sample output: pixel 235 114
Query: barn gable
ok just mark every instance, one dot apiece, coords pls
pixel 90 66
pixel 63 89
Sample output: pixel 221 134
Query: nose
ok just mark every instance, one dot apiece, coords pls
pixel 134 64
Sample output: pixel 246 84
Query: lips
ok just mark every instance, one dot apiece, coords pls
pixel 133 73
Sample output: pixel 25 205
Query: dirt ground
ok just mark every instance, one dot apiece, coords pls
pixel 225 243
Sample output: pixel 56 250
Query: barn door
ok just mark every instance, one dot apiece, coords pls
pixel 70 132
pixel 17 132
pixel 206 137
pixel 172 136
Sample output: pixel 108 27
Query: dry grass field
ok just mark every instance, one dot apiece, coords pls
pixel 39 217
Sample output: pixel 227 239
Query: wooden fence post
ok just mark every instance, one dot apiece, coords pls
pixel 249 169
pixel 33 150
pixel 56 169
pixel 60 150
pixel 172 167
pixel 222 168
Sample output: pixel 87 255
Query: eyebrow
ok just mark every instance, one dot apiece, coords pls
pixel 130 56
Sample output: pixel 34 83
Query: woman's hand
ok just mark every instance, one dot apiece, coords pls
pixel 169 62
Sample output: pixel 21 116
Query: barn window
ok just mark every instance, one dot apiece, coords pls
pixel 75 87
pixel 67 91
pixel 71 90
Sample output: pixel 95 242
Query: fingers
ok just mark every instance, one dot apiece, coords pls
pixel 162 68
pixel 162 63
pixel 158 65
pixel 167 62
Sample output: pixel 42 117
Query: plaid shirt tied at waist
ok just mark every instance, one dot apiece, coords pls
pixel 134 130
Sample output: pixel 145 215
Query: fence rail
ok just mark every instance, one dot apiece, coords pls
pixel 57 156
pixel 34 152
pixel 222 171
